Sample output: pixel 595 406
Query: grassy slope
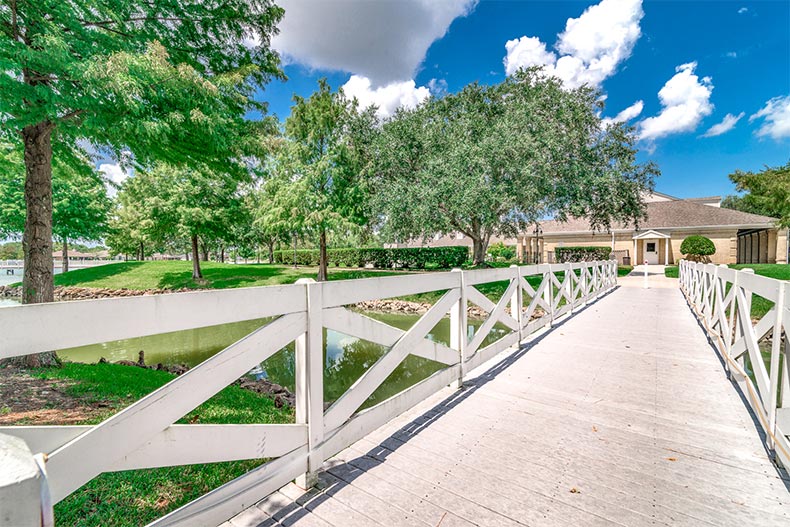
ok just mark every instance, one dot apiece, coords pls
pixel 178 274
pixel 136 497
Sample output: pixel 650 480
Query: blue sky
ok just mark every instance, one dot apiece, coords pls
pixel 723 63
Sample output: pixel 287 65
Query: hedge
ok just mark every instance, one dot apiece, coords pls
pixel 697 248
pixel 582 254
pixel 408 258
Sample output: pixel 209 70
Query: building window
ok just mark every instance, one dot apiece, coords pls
pixel 651 247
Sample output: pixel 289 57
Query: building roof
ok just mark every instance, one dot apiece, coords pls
pixel 671 215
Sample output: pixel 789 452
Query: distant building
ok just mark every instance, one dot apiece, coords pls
pixel 739 237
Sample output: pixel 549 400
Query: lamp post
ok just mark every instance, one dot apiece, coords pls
pixel 538 232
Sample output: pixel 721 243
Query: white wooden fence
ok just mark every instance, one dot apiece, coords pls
pixel 144 435
pixel 722 300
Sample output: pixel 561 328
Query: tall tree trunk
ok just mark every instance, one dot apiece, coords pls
pixel 295 266
pixel 479 249
pixel 222 254
pixel 204 250
pixel 142 251
pixel 322 263
pixel 271 252
pixel 64 266
pixel 37 280
pixel 196 272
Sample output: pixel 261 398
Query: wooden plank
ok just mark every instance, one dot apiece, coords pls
pixel 485 328
pixel 352 323
pixel 20 326
pixel 364 387
pixel 479 299
pixel 93 452
pixel 345 292
pixel 180 444
pixel 239 494
pixel 371 418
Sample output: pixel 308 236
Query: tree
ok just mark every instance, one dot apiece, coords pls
pixel 198 204
pixel 320 168
pixel 489 160
pixel 767 193
pixel 80 204
pixel 80 209
pixel 166 80
pixel 697 247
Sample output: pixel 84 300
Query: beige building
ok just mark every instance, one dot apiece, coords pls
pixel 739 237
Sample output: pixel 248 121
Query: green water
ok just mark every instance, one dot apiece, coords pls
pixel 346 357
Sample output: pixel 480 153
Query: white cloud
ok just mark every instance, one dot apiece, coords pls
pixel 776 118
pixel 726 124
pixel 525 52
pixel 627 114
pixel 685 100
pixel 589 50
pixel 731 54
pixel 384 40
pixel 743 10
pixel 388 98
pixel 114 173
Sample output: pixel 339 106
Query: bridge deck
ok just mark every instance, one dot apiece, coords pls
pixel 622 415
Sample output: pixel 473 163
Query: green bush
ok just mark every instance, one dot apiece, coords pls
pixel 499 252
pixel 380 258
pixel 697 248
pixel 582 254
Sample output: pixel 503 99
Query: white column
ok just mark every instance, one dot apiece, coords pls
pixel 666 251
pixel 634 261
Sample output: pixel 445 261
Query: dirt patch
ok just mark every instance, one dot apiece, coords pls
pixel 27 400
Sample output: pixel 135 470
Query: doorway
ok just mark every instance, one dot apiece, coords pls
pixel 651 251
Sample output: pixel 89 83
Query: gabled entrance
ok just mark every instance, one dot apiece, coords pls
pixel 651 244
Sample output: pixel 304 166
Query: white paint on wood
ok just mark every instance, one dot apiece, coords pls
pixel 88 455
pixel 71 324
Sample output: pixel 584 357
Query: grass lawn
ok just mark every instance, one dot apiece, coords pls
pixel 178 275
pixel 671 271
pixel 136 497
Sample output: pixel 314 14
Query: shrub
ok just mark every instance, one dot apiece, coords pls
pixel 380 258
pixel 697 248
pixel 499 252
pixel 582 254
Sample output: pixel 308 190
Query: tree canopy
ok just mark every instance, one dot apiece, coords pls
pixel 488 160
pixel 767 193
pixel 316 179
pixel 167 81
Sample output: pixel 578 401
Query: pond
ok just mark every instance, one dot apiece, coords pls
pixel 346 357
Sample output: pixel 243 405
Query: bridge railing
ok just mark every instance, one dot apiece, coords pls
pixel 722 299
pixel 144 435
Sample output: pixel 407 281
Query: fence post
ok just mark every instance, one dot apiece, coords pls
pixel 310 381
pixel 569 285
pixel 458 329
pixel 548 293
pixel 776 343
pixel 22 486
pixel 516 302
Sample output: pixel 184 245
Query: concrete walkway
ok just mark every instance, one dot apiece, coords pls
pixel 622 415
